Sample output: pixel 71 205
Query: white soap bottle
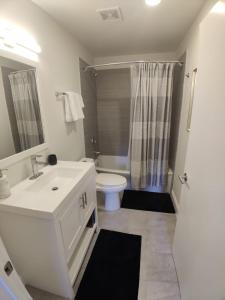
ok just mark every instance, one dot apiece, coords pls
pixel 4 186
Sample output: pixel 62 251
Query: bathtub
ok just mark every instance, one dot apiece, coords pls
pixel 113 164
pixel 120 165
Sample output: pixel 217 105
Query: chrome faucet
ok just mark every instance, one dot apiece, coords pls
pixel 34 164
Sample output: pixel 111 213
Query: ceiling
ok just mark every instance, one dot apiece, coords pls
pixel 144 29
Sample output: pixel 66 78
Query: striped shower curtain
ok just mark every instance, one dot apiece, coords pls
pixel 26 107
pixel 151 103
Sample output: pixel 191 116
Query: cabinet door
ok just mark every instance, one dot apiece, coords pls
pixel 11 286
pixel 89 198
pixel 71 224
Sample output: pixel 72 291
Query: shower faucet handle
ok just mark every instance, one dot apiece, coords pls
pixel 93 140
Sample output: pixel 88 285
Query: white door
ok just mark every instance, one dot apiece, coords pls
pixel 11 287
pixel 199 246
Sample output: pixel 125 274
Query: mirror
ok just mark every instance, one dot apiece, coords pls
pixel 20 117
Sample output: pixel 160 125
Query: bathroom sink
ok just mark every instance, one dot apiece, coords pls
pixel 45 195
pixel 54 180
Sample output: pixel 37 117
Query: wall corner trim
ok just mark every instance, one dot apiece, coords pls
pixel 175 202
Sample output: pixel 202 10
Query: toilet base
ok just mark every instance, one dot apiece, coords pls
pixel 112 201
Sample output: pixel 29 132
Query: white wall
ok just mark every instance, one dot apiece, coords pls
pixel 58 71
pixel 193 33
pixel 189 45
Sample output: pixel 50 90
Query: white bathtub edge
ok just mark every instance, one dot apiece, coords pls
pixel 105 170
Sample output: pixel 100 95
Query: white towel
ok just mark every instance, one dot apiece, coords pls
pixel 73 107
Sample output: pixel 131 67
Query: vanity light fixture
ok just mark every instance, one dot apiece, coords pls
pixel 152 2
pixel 17 41
pixel 219 8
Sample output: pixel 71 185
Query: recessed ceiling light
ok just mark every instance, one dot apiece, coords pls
pixel 219 8
pixel 152 2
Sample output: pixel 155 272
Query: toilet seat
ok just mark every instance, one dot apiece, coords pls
pixel 104 179
pixel 110 183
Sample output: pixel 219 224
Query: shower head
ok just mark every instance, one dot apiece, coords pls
pixel 91 71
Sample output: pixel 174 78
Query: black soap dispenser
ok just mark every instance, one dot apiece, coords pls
pixel 52 159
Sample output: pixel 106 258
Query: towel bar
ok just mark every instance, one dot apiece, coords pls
pixel 60 94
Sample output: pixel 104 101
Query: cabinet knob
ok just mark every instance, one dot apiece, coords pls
pixel 85 198
pixel 82 204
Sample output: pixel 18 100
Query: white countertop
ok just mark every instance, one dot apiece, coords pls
pixel 45 203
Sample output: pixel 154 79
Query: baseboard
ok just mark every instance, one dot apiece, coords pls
pixel 175 202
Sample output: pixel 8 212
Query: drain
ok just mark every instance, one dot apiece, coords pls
pixel 55 188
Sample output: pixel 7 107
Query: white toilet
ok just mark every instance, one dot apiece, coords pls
pixel 110 185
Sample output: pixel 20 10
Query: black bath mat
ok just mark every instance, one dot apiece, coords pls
pixel 112 272
pixel 140 200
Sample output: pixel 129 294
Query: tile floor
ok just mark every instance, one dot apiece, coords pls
pixel 37 294
pixel 158 278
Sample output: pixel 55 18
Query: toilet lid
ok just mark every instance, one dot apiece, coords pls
pixel 104 179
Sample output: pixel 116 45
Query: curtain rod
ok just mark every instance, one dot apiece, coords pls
pixel 23 71
pixel 131 62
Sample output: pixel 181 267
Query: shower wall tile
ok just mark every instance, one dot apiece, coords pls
pixel 88 91
pixel 176 111
pixel 113 107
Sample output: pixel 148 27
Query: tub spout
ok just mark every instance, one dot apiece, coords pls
pixel 96 154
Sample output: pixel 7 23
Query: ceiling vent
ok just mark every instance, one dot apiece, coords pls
pixel 110 14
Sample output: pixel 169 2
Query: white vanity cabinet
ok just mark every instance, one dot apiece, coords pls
pixel 71 225
pixel 77 213
pixel 47 239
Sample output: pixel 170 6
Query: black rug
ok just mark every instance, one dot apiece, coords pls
pixel 140 200
pixel 112 272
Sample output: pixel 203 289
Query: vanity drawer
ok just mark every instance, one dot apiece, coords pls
pixel 71 224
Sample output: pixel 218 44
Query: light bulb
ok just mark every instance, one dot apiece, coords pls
pixel 219 8
pixel 152 2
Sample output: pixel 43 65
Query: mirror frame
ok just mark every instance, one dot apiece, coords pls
pixel 13 159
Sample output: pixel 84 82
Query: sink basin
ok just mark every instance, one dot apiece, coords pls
pixel 54 180
pixel 45 195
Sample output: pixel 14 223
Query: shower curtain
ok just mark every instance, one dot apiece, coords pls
pixel 27 110
pixel 151 103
